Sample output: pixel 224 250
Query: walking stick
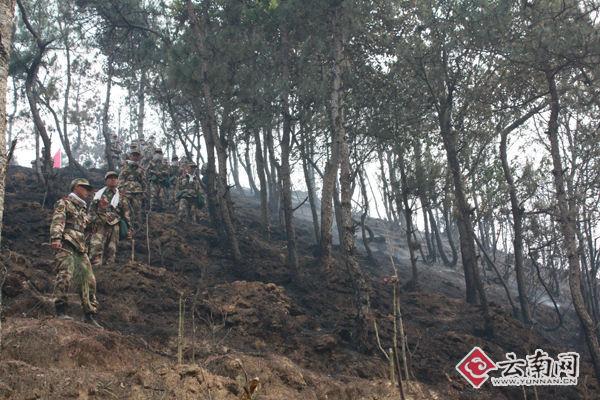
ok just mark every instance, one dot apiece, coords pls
pixel 132 249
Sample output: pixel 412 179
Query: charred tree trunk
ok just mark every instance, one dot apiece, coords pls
pixel 78 123
pixel 366 240
pixel 327 190
pixel 265 157
pixel 448 221
pixel 211 125
pixel 306 154
pixel 567 225
pixel 438 239
pixel 233 163
pixel 13 114
pixel 260 170
pixel 384 185
pixel 7 12
pixel 337 210
pixel 394 192
pixel 465 226
pixel 247 165
pixel 33 97
pixel 105 117
pixel 65 116
pixel 473 283
pixel 141 105
pixel 403 194
pixel 211 173
pixel 421 181
pixel 274 191
pixel 286 145
pixel 517 214
pixel 340 140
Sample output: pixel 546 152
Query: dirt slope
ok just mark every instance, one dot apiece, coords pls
pixel 241 321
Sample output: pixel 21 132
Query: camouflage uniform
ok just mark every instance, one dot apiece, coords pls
pixel 174 172
pixel 69 224
pixel 158 176
pixel 105 228
pixel 188 188
pixel 132 185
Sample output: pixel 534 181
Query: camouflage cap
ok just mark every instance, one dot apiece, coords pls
pixel 109 174
pixel 81 182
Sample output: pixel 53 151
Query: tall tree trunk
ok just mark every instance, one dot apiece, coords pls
pixel 265 157
pixel 309 177
pixel 234 164
pixel 247 165
pixel 132 113
pixel 566 220
pixel 393 191
pixel 404 192
pixel 212 126
pixel 438 239
pixel 340 141
pixel 211 173
pixel 13 114
pixel 363 217
pixel 473 283
pixel 384 184
pixel 274 191
pixel 465 225
pixel 262 179
pixel 7 13
pixel 337 210
pixel 65 116
pixel 422 188
pixel 32 95
pixel 105 117
pixel 78 124
pixel 33 100
pixel 517 214
pixel 449 223
pixel 141 114
pixel 286 144
pixel 328 187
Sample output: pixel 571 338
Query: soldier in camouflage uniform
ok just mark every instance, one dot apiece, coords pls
pixel 106 211
pixel 174 171
pixel 68 232
pixel 158 176
pixel 132 185
pixel 188 189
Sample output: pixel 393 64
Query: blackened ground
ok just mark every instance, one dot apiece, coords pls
pixel 254 318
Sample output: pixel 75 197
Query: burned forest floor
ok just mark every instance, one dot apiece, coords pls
pixel 241 321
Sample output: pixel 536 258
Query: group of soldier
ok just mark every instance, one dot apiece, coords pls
pixel 86 236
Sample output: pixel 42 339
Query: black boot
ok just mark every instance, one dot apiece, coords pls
pixel 61 311
pixel 89 319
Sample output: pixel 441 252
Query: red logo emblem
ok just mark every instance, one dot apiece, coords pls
pixel 475 367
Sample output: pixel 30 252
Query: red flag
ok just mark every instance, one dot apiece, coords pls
pixel 57 160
